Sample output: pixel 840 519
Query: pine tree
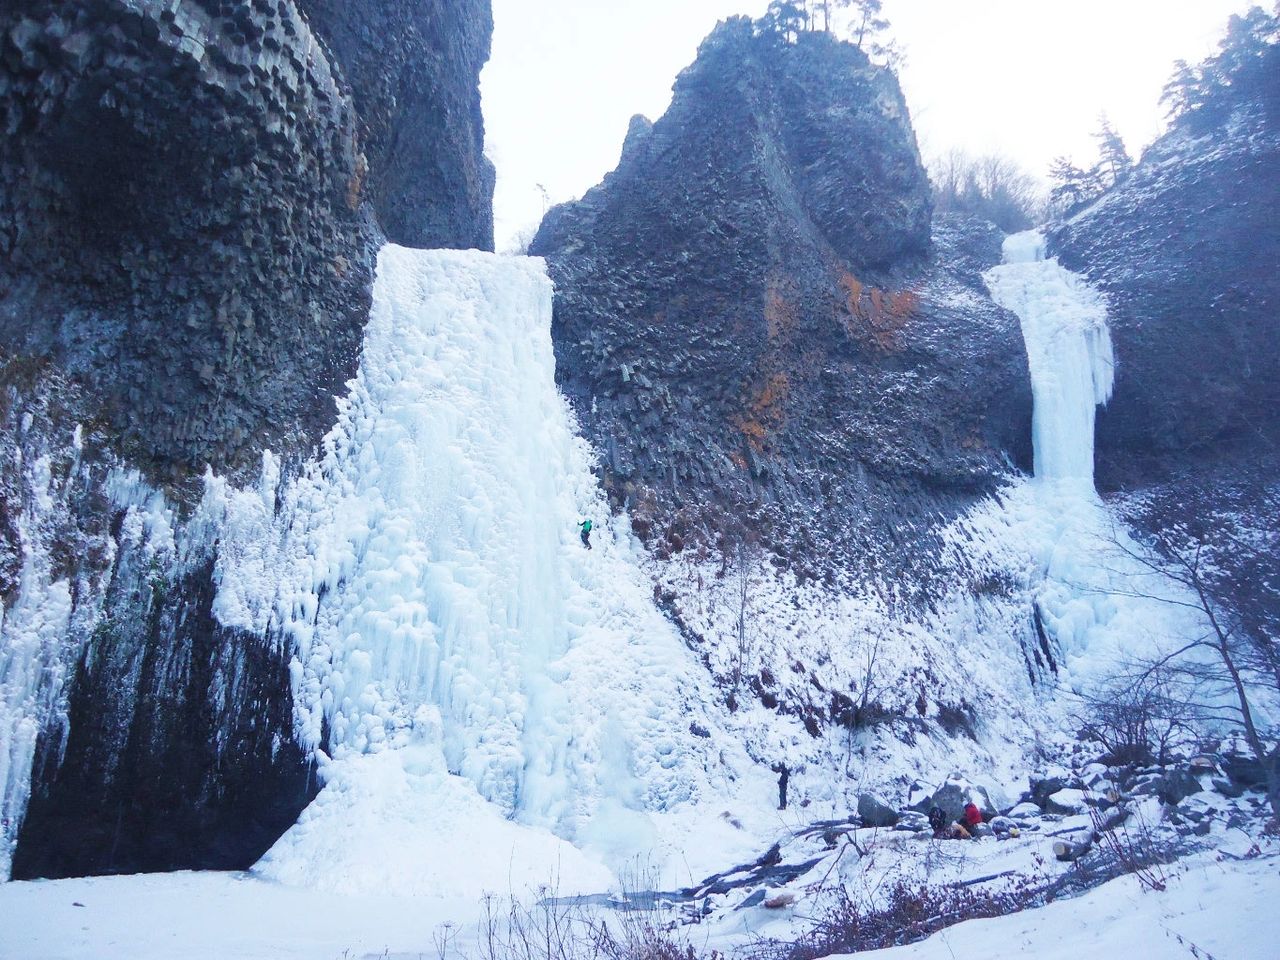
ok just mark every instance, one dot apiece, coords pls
pixel 869 21
pixel 1114 162
pixel 1244 71
pixel 1072 186
pixel 786 18
pixel 1184 93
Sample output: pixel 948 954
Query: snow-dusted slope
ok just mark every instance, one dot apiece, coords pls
pixel 428 574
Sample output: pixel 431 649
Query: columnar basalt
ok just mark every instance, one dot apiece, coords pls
pixel 192 196
pixel 753 315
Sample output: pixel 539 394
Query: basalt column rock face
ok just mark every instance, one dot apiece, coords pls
pixel 180 208
pixel 754 317
pixel 1187 250
pixel 414 68
pixel 192 195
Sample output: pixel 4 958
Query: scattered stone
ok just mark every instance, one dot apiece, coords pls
pixel 1113 818
pixel 1171 787
pixel 1042 789
pixel 1001 826
pixel 1245 772
pixel 756 898
pixel 1202 765
pixel 911 821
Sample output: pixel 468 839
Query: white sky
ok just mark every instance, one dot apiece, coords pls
pixel 1027 78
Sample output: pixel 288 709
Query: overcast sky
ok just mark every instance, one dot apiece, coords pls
pixel 1027 78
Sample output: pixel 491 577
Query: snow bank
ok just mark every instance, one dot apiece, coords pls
pixel 397 821
pixel 1222 909
pixel 1210 909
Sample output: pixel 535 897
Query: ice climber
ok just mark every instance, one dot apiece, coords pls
pixel 586 533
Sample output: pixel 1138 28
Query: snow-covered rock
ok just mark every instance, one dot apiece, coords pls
pixel 1065 802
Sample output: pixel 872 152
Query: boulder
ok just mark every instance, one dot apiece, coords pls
pixel 1232 791
pixel 995 800
pixel 1176 786
pixel 912 822
pixel 918 796
pixel 1043 788
pixel 1065 802
pixel 1245 772
pixel 952 797
pixel 1171 787
pixel 875 813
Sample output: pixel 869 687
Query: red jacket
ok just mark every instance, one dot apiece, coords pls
pixel 972 816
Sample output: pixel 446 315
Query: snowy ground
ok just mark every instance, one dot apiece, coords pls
pixel 1214 903
pixel 508 710
pixel 1210 909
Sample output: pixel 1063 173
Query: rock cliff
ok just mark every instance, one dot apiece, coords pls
pixel 1186 250
pixel 192 195
pixel 190 200
pixel 754 316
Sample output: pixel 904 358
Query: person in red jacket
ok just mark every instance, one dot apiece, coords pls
pixel 963 828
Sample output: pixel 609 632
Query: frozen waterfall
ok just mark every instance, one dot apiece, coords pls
pixel 1064 325
pixel 452 637
pixel 1099 604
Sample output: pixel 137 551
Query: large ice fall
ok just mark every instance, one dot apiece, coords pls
pixel 452 635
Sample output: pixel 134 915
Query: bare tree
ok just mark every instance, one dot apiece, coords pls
pixel 989 186
pixel 1223 676
pixel 1137 717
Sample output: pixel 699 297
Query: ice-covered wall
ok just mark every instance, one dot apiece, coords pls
pixel 1097 595
pixel 428 576
pixel 1064 324
pixel 34 665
